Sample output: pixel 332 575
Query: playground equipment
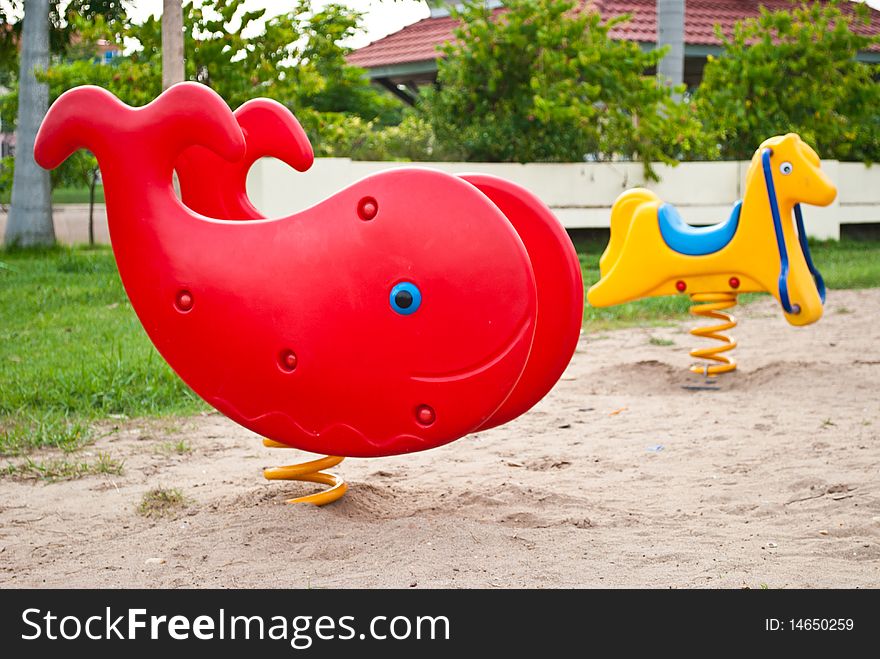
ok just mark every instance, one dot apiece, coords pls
pixel 653 252
pixel 400 314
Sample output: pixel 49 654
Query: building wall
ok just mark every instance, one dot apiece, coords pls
pixel 579 194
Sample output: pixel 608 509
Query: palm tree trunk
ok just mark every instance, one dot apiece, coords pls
pixel 172 43
pixel 670 32
pixel 30 210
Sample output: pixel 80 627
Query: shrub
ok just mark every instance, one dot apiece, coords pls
pixel 544 81
pixel 794 71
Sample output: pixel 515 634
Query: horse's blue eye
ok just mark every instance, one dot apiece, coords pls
pixel 405 298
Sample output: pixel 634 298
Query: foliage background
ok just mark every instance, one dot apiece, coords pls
pixel 543 82
pixel 546 82
pixel 794 71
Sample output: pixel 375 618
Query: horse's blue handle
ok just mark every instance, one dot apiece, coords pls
pixel 780 239
pixel 777 226
pixel 805 247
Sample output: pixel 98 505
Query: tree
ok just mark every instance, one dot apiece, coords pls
pixel 80 170
pixel 544 81
pixel 297 59
pixel 30 212
pixel 7 164
pixel 172 43
pixel 61 27
pixel 110 10
pixel 9 35
pixel 80 65
pixel 794 70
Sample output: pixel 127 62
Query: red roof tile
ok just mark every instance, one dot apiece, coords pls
pixel 414 43
pixel 419 42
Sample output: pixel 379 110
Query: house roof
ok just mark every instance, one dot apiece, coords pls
pixel 419 42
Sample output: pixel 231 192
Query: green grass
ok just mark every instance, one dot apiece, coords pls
pixel 65 195
pixel 848 263
pixel 844 264
pixel 72 351
pixel 77 195
pixel 181 447
pixel 160 502
pixel 61 469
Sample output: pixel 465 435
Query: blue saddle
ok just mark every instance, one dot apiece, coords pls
pixel 696 241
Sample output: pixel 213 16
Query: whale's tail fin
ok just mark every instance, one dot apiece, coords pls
pixel 92 118
pixel 271 131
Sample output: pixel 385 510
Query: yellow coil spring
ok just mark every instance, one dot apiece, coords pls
pixel 309 472
pixel 711 305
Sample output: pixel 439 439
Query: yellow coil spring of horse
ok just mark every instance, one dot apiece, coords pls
pixel 309 472
pixel 712 305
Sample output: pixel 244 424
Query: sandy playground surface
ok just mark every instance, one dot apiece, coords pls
pixel 622 476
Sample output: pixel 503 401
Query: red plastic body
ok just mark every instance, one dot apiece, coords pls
pixel 285 324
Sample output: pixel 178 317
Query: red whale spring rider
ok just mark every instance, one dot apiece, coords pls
pixel 404 312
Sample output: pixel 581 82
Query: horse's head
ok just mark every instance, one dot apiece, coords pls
pixel 785 172
pixel 797 175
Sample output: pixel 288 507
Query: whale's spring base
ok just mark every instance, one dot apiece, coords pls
pixel 309 472
pixel 711 305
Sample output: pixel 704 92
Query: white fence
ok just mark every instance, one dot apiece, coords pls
pixel 580 194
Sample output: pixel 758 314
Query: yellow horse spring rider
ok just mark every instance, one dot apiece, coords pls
pixel 653 252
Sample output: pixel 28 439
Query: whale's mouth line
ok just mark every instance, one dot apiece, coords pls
pixel 226 407
pixel 465 373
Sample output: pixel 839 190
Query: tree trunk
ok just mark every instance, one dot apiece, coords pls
pixel 172 43
pixel 92 183
pixel 30 210
pixel 670 32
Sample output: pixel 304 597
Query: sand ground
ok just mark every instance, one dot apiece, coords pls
pixel 622 476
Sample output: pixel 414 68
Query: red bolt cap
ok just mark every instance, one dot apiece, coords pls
pixel 367 208
pixel 734 282
pixel 184 301
pixel 288 360
pixel 680 286
pixel 425 415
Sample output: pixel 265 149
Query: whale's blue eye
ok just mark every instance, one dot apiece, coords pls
pixel 405 298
